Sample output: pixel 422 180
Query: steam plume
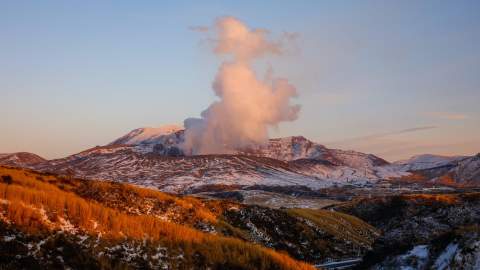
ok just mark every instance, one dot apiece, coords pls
pixel 247 105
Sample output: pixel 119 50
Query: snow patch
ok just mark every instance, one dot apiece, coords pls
pixel 446 256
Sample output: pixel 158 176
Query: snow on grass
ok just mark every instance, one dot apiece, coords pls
pixel 420 251
pixel 9 238
pixel 446 256
pixel 416 258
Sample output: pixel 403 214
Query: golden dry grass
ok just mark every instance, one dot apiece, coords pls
pixel 34 203
pixel 338 224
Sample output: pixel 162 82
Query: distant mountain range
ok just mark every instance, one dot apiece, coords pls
pixel 455 171
pixel 154 157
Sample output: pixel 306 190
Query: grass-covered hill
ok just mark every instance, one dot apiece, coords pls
pixel 50 221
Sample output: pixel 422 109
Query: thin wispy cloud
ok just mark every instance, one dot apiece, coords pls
pixel 386 134
pixel 447 115
pixel 404 149
pixel 414 129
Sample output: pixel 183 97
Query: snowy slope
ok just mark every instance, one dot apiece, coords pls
pixel 298 147
pixel 467 170
pixel 426 161
pixel 167 141
pixel 147 135
pixel 179 174
pixel 20 159
pixel 153 157
pixel 289 148
pixel 456 170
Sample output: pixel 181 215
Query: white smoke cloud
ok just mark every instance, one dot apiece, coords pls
pixel 247 105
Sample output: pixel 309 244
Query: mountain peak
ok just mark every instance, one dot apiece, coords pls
pixel 146 134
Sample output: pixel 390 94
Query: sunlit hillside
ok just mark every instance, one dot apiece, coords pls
pixel 40 212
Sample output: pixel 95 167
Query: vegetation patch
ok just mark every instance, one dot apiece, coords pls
pixel 40 209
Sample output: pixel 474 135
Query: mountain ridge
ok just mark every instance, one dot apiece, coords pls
pixel 20 159
pixel 146 158
pixel 154 157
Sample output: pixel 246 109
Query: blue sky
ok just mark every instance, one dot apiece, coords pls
pixel 75 74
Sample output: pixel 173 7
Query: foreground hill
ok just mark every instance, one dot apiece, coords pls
pixel 422 231
pixel 47 221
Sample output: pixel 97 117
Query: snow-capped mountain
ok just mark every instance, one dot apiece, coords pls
pixel 147 135
pixel 426 161
pixel 463 172
pixel 167 141
pixel 20 159
pixel 180 173
pixel 154 157
pixel 456 170
pixel 298 147
pixel 468 170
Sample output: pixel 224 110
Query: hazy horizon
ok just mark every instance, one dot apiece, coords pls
pixel 391 79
